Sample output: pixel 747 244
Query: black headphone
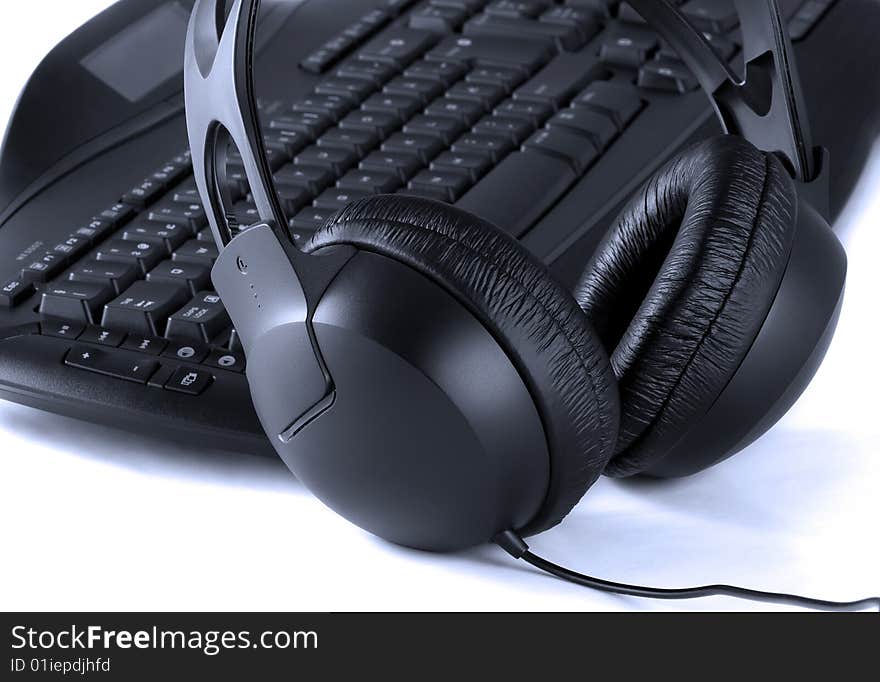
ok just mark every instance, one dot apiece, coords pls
pixel 429 380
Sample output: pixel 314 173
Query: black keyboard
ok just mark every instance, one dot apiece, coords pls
pixel 540 116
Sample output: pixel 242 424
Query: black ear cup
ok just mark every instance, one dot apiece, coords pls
pixel 680 287
pixel 536 322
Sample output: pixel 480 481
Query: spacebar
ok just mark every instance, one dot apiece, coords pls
pixel 517 192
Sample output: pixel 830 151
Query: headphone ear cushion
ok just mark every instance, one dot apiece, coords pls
pixel 682 284
pixel 533 318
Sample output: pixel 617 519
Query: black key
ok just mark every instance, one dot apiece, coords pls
pixel 118 214
pixel 399 46
pixel 14 292
pixel 444 127
pixel 426 147
pixel 598 127
pixel 62 329
pixel 102 337
pixel 145 255
pixel 72 248
pixel 517 8
pixel 629 49
pixel 194 251
pixel 225 359
pixel 319 60
pixel 517 129
pixel 402 106
pixel 276 153
pixel 312 178
pixel 151 345
pixel 335 199
pixel 191 276
pixel 119 276
pixel 356 89
pixel 667 74
pixel 466 111
pixel 494 146
pixel 516 194
pixel 577 149
pixel 528 55
pixel 438 19
pixel 583 21
pixel 201 319
pixel 75 300
pixel 144 194
pixel 536 112
pixel 423 89
pixel 621 101
pixel 44 268
pixel 374 71
pixel 143 308
pixel 503 76
pixel 382 122
pixel 556 36
pixel 189 350
pixel 309 122
pixel 189 381
pixel 404 165
pixel 310 219
pixel 711 15
pixel 359 141
pixel 112 364
pixel 486 94
pixel 96 230
pixel 292 198
pixel 337 159
pixel 453 183
pixel 434 193
pixel 205 235
pixel 374 182
pixel 438 72
pixel 475 165
pixel 186 194
pixel 292 141
pixel 560 80
pixel 167 235
pixel 332 106
pixel 172 172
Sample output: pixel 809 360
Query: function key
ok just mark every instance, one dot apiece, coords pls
pixel 102 337
pixel 143 308
pixel 44 268
pixel 143 194
pixel 62 329
pixel 118 214
pixel 189 381
pixel 171 173
pixel 119 276
pixel 152 345
pixel 201 319
pixel 75 300
pixel 110 363
pixel 14 292
pixel 189 350
pixel 225 359
pixel 72 248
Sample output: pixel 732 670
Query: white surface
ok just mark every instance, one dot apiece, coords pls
pixel 94 519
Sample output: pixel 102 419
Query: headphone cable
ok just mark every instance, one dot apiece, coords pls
pixel 514 545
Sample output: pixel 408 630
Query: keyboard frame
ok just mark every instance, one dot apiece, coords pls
pixel 31 367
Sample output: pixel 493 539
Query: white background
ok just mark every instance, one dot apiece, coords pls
pixel 94 519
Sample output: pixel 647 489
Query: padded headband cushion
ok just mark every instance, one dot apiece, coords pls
pixel 681 285
pixel 534 319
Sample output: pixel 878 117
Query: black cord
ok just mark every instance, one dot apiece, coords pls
pixel 514 545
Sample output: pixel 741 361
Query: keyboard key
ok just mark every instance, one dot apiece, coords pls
pixel 374 182
pixel 528 55
pixel 711 15
pixel 292 141
pixel 62 329
pixel 143 308
pixel 426 147
pixel 424 192
pixel 201 319
pixel 112 364
pixel 167 235
pixel 598 127
pixel 191 276
pixel 224 359
pixel 192 215
pixel 438 19
pixel 578 150
pixel 399 46
pixel 502 76
pixel 517 129
pixel 195 251
pixel 72 248
pixel 359 141
pixel 446 128
pixel 190 350
pixel 621 101
pixel 356 89
pixel 403 165
pixel 557 36
pixel 119 276
pixel 44 268
pixel 118 214
pixel 14 292
pixel 311 219
pixel 561 79
pixel 102 337
pixel 466 111
pixel 445 73
pixel 374 71
pixel 152 345
pixel 312 178
pixel 310 122
pixel 335 199
pixel 422 89
pixel 145 255
pixel 453 183
pixel 382 122
pixel 144 194
pixel 337 160
pixel 517 8
pixel 667 74
pixel 475 165
pixel 536 112
pixel 332 106
pixel 516 194
pixel 584 22
pixel 96 230
pixel 402 106
pixel 189 381
pixel 494 146
pixel 630 49
pixel 293 198
pixel 485 94
pixel 76 300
